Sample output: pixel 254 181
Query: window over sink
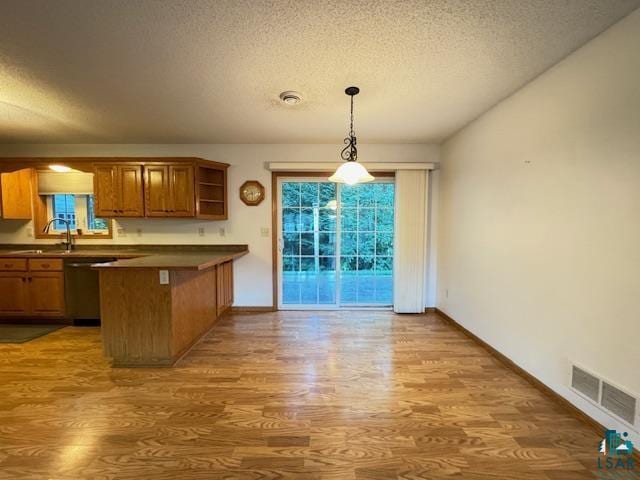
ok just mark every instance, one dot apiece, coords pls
pixel 67 197
pixel 77 209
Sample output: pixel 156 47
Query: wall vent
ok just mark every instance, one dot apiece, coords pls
pixel 604 395
pixel 585 383
pixel 619 403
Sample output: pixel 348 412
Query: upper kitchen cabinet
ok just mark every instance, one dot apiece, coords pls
pixel 169 190
pixel 161 188
pixel 15 195
pixel 211 190
pixel 118 190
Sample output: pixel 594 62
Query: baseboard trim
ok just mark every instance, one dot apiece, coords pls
pixel 251 309
pixel 430 309
pixel 575 411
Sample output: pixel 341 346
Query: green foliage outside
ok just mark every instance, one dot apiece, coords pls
pixel 309 226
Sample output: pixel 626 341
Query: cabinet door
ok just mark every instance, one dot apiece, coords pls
pixel 228 279
pixel 220 288
pixel 46 292
pixel 14 294
pixel 157 195
pixel 105 190
pixel 181 191
pixel 15 194
pixel 131 201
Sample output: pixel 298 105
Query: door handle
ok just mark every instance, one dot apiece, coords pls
pixel 280 245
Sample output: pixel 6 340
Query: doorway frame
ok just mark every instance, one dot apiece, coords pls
pixel 275 176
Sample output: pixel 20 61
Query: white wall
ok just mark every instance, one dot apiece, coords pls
pixel 539 244
pixel 253 272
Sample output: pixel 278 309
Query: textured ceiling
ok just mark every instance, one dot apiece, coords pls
pixel 195 71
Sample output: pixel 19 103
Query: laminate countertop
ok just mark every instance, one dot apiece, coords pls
pixel 189 257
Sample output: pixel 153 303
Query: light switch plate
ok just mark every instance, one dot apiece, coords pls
pixel 164 277
pixel 264 231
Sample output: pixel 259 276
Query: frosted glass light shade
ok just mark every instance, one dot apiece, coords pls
pixel 351 173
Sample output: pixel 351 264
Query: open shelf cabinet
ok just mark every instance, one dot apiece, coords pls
pixel 211 190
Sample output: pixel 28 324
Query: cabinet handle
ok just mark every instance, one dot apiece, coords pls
pixel 45 265
pixel 7 265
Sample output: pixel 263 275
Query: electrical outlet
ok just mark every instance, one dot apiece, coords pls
pixel 139 232
pixel 30 232
pixel 201 232
pixel 222 232
pixel 122 232
pixel 264 231
pixel 164 277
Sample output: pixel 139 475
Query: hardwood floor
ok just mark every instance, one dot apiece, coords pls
pixel 300 395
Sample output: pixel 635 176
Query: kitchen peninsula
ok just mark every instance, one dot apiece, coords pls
pixel 155 301
pixel 155 307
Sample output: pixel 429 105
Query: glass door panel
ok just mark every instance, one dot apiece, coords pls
pixel 366 254
pixel 336 244
pixel 308 229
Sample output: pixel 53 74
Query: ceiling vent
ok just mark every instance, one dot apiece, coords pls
pixel 290 97
pixel 606 396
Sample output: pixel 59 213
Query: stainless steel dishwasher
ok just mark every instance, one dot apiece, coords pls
pixel 82 289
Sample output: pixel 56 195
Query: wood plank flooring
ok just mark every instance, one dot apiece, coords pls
pixel 296 395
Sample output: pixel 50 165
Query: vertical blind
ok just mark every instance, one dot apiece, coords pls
pixel 410 241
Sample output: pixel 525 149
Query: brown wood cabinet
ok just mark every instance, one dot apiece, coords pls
pixel 169 190
pixel 211 191
pixel 224 286
pixel 46 293
pixel 14 294
pixel 31 287
pixel 148 323
pixel 118 190
pixel 15 195
pixel 177 187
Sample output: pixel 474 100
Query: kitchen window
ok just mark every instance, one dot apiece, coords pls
pixel 79 210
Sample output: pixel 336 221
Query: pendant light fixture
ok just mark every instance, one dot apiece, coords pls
pixel 351 171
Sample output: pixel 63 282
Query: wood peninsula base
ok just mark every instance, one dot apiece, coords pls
pixel 146 323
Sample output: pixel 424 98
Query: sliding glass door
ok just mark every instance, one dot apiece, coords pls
pixel 335 244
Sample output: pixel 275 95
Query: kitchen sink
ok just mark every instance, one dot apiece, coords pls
pixel 40 252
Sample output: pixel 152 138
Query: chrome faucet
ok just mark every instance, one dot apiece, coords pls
pixel 69 241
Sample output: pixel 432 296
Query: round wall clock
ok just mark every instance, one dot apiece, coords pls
pixel 252 192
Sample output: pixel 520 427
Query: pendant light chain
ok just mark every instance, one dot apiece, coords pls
pixel 350 152
pixel 351 171
pixel 351 132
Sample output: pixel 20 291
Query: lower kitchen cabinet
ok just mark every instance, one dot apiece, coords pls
pixel 145 323
pixel 224 286
pixel 31 288
pixel 14 294
pixel 46 294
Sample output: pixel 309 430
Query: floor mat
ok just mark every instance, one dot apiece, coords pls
pixel 24 333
